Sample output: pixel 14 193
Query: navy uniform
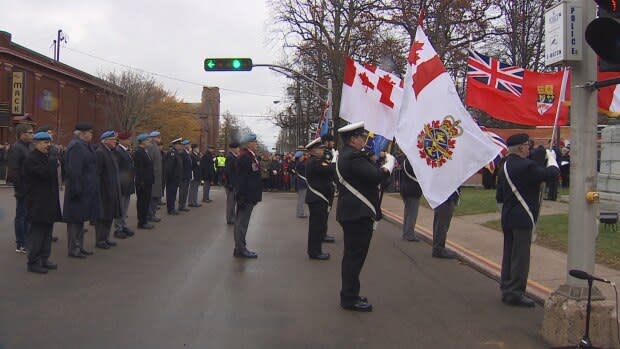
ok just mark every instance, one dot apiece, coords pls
pixel 207 171
pixel 410 192
pixel 144 179
pixel 186 176
pixel 158 170
pixel 248 192
pixel 230 176
pixel 520 208
pixel 301 186
pixel 319 197
pixel 42 203
pixel 196 177
pixel 126 173
pixel 358 208
pixel 174 174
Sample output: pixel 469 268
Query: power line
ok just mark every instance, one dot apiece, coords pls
pixel 166 76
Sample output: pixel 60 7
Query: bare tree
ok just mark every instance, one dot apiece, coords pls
pixel 128 111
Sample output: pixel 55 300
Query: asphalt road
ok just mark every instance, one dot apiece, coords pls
pixel 178 286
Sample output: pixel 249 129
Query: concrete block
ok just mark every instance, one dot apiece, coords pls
pixel 610 133
pixel 564 322
pixel 605 167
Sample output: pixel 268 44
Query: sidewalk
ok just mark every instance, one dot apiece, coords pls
pixel 481 247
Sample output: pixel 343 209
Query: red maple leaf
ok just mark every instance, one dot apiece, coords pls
pixel 366 82
pixel 414 52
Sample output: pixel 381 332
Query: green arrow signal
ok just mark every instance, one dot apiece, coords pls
pixel 210 64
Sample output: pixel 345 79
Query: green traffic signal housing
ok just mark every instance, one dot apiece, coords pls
pixel 228 64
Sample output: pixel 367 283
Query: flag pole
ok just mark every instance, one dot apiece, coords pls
pixel 390 150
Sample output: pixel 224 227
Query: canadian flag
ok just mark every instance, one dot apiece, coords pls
pixel 609 97
pixel 371 95
pixel 442 141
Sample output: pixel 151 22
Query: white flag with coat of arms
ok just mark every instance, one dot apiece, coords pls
pixel 442 141
pixel 371 95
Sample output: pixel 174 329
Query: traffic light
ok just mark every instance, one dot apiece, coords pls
pixel 603 35
pixel 228 64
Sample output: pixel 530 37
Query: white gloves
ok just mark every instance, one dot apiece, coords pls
pixel 550 156
pixel 390 162
pixel 334 156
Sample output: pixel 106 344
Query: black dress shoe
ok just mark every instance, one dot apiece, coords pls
pixel 128 232
pixel 184 209
pixel 50 265
pixel 363 299
pixel 155 219
pixel 119 235
pixel 173 213
pixel 444 254
pixel 110 243
pixel 37 269
pixel 102 245
pixel 521 301
pixel 359 306
pixel 329 238
pixel 54 238
pixel 411 238
pixel 244 254
pixel 77 255
pixel 147 226
pixel 197 205
pixel 322 256
pixel 86 252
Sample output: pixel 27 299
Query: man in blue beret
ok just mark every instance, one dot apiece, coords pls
pixel 155 153
pixel 81 201
pixel 248 192
pixel 186 176
pixel 42 203
pixel 109 190
pixel 144 179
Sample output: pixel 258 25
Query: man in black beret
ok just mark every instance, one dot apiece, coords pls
pixel 517 193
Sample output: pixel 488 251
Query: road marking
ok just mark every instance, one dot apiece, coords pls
pixel 542 291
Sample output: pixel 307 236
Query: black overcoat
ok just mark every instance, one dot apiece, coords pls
pixel 109 184
pixel 365 176
pixel 145 168
pixel 230 173
pixel 174 167
pixel 206 167
pixel 320 176
pixel 249 187
pixel 195 157
pixel 81 202
pixel 126 170
pixel 41 180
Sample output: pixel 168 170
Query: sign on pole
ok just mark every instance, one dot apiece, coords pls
pixel 563 31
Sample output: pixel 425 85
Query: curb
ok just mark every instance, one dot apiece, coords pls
pixel 535 290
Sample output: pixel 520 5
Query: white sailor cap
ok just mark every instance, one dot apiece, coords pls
pixel 315 143
pixel 356 128
pixel 178 140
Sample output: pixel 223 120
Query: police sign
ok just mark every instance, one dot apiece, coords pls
pixel 563 30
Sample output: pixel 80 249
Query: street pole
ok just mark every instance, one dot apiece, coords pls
pixel 582 215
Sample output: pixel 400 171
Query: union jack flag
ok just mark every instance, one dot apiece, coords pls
pixel 491 166
pixel 492 72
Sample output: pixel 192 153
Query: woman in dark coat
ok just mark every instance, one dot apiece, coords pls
pixel 81 192
pixel 42 202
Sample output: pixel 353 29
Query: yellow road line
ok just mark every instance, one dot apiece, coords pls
pixel 428 233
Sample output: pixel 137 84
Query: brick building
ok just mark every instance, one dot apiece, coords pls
pixel 208 112
pixel 38 89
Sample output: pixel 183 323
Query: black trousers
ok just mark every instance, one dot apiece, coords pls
pixel 143 193
pixel 39 243
pixel 102 230
pixel 171 195
pixel 515 262
pixel 357 236
pixel 317 227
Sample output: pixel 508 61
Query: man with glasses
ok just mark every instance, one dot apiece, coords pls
pixel 17 155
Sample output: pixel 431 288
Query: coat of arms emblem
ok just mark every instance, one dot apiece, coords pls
pixel 437 141
pixel 545 98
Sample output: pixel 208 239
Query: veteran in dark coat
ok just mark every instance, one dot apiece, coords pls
pixel 126 171
pixel 358 208
pixel 207 171
pixel 42 203
pixel 410 192
pixel 158 169
pixel 174 174
pixel 230 178
pixel 186 175
pixel 319 175
pixel 15 160
pixel 194 184
pixel 248 192
pixel 518 193
pixel 145 178
pixel 81 202
pixel 109 190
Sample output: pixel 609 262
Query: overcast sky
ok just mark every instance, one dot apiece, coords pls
pixel 171 38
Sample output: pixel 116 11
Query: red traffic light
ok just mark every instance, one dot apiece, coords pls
pixel 609 5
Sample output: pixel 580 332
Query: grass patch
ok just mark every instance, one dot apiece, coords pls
pixel 553 233
pixel 473 201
